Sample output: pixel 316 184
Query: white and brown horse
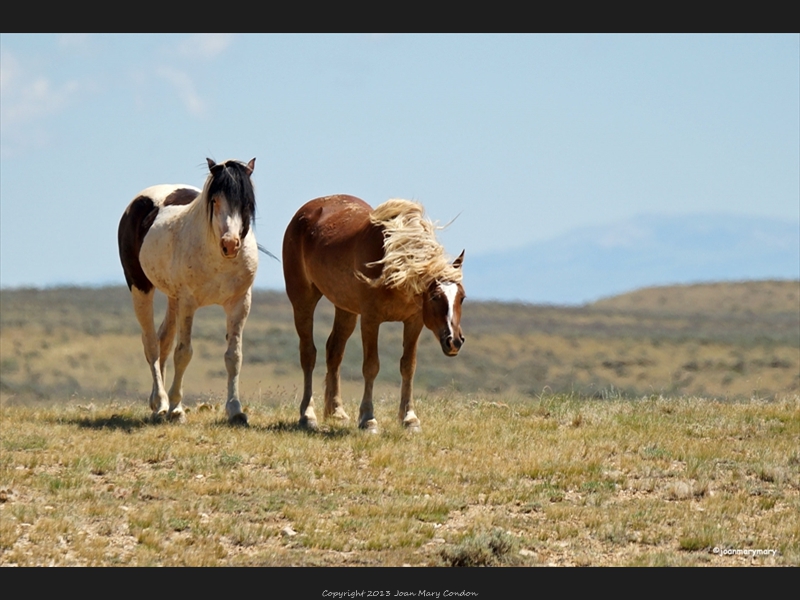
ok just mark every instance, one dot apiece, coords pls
pixel 198 247
pixel 383 264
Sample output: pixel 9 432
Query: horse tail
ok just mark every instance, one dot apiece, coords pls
pixel 267 252
pixel 133 226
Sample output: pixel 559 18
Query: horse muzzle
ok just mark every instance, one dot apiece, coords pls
pixel 451 345
pixel 230 246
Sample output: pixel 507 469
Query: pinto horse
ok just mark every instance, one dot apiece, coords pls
pixel 383 264
pixel 198 247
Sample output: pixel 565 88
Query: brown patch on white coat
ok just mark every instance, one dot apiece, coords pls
pixel 199 249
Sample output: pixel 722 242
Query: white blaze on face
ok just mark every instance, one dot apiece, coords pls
pixel 233 224
pixel 229 225
pixel 227 221
pixel 450 290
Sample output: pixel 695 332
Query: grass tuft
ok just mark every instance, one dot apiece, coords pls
pixel 481 550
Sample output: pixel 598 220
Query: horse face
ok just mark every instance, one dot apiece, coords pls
pixel 232 203
pixel 441 313
pixel 227 226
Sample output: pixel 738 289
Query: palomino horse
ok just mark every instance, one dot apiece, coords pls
pixel 198 247
pixel 383 264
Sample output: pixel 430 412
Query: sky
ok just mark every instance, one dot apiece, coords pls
pixel 523 138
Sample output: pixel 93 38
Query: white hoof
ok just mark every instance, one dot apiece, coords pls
pixel 159 403
pixel 177 416
pixel 309 419
pixel 339 415
pixel 411 422
pixel 308 423
pixel 370 426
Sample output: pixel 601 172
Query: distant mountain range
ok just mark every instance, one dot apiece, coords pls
pixel 586 264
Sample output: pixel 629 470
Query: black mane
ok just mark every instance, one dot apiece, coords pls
pixel 232 179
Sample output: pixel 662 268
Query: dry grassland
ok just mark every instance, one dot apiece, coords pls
pixel 548 481
pixel 638 431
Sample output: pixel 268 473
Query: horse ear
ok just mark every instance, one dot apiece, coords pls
pixel 251 166
pixel 214 167
pixel 459 261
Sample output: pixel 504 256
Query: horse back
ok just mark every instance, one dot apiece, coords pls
pixel 136 222
pixel 329 245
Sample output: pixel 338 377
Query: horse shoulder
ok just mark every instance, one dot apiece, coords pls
pixel 369 251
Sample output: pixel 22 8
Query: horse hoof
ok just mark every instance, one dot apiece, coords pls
pixel 339 415
pixel 309 424
pixel 370 426
pixel 411 422
pixel 240 419
pixel 177 417
pixel 158 417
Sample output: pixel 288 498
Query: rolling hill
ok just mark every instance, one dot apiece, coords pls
pixel 722 340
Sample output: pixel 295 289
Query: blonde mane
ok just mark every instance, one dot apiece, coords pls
pixel 413 258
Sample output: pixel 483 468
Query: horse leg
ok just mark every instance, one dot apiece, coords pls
pixel 143 307
pixel 343 325
pixel 166 334
pixel 370 368
pixel 408 364
pixel 182 356
pixel 237 316
pixel 304 306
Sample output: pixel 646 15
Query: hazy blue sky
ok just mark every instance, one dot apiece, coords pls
pixel 525 136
